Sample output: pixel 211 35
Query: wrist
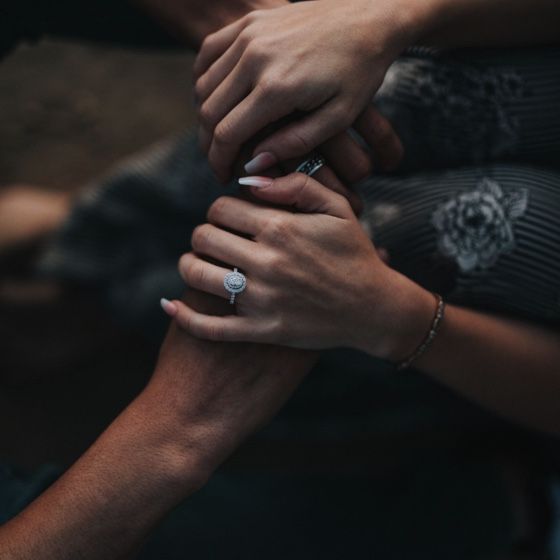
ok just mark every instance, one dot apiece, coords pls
pixel 409 21
pixel 407 313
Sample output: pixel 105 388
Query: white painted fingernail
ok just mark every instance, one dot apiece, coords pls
pixel 169 307
pixel 255 181
pixel 260 163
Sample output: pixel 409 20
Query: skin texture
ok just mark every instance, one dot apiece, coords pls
pixel 324 60
pixel 315 281
pixel 193 20
pixel 202 401
pixel 292 60
pixel 303 269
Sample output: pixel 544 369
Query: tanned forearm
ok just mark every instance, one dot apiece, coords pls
pixel 107 503
pixel 202 401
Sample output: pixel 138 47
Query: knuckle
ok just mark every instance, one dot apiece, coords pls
pixel 271 87
pixel 206 116
pixel 277 230
pixel 224 133
pixel 208 42
pixel 218 208
pixel 246 36
pixel 201 236
pixel 184 265
pixel 275 266
pixel 254 16
pixel 199 88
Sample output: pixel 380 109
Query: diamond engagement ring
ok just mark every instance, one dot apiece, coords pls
pixel 311 165
pixel 235 283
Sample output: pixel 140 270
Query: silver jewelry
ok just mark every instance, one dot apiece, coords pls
pixel 235 282
pixel 311 165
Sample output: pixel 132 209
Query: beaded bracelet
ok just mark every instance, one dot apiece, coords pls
pixel 426 343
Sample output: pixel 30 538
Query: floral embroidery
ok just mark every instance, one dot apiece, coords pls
pixel 476 227
pixel 465 108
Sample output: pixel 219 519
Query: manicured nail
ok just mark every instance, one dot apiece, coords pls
pixel 260 163
pixel 255 182
pixel 169 307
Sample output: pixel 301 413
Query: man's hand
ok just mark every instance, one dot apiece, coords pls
pixel 203 399
pixel 221 392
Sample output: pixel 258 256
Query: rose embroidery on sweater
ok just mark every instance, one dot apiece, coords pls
pixel 476 227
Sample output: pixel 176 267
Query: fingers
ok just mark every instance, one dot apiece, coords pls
pixel 301 137
pixel 378 132
pixel 231 328
pixel 259 109
pixel 215 45
pixel 327 177
pixel 223 246
pixel 239 215
pixel 206 85
pixel 231 91
pixel 202 275
pixel 350 161
pixel 300 191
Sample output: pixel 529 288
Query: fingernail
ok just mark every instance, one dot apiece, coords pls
pixel 255 181
pixel 169 307
pixel 260 163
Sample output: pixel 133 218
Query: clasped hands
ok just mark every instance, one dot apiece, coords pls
pixel 315 280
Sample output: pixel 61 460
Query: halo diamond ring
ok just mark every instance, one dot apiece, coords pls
pixel 235 282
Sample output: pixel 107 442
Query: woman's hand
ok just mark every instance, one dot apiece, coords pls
pixel 320 60
pixel 314 279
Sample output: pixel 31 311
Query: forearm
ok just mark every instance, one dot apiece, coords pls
pixel 509 366
pixel 481 23
pixel 106 504
pixel 506 365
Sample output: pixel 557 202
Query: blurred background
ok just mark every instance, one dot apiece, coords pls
pixel 68 112
pixel 472 488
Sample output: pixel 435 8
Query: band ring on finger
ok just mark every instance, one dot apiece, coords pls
pixel 311 165
pixel 235 283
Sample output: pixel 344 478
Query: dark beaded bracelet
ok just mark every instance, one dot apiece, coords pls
pixel 426 343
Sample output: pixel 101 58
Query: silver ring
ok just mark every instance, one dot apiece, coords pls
pixel 235 282
pixel 311 165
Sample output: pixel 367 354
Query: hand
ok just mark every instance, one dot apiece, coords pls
pixel 314 278
pixel 193 20
pixel 322 60
pixel 346 162
pixel 218 394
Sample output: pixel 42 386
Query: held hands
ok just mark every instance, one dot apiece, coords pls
pixel 314 279
pixel 218 394
pixel 319 60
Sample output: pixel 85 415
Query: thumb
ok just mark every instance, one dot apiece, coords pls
pixel 300 191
